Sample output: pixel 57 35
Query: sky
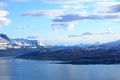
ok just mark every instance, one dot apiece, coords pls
pixel 61 22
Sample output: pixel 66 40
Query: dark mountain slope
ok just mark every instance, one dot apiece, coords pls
pixel 81 56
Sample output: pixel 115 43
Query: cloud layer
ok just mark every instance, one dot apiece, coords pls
pixel 69 14
pixel 33 37
pixel 3 13
pixel 115 8
pixel 3 20
pixel 107 32
pixel 65 26
pixel 76 17
pixel 45 13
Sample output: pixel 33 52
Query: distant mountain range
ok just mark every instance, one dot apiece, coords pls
pixel 6 43
pixel 111 44
pixel 79 55
pixel 107 53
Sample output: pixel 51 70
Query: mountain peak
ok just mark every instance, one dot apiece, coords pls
pixel 4 36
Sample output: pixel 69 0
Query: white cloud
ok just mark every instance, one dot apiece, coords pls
pixel 3 13
pixel 20 27
pixel 106 6
pixel 105 23
pixel 4 21
pixel 45 13
pixel 117 20
pixel 73 7
pixel 109 30
pixel 64 18
pixel 63 25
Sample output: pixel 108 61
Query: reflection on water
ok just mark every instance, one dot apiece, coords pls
pixel 4 70
pixel 18 69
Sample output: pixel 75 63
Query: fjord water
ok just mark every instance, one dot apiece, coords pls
pixel 20 69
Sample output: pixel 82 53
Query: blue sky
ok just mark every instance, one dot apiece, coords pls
pixel 66 22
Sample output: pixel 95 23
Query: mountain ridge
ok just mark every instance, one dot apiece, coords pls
pixel 111 44
pixel 6 43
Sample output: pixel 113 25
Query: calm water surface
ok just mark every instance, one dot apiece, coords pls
pixel 19 69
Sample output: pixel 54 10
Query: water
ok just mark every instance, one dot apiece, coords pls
pixel 19 69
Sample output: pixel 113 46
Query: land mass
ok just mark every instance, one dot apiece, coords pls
pixel 108 53
pixel 91 55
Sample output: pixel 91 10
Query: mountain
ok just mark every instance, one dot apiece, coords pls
pixel 108 53
pixel 27 43
pixel 6 43
pixel 111 44
pixel 77 55
pixel 5 37
pixel 88 45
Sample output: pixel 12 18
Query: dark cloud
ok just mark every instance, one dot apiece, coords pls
pixel 65 19
pixel 75 17
pixel 83 34
pixel 87 34
pixel 115 8
pixel 68 18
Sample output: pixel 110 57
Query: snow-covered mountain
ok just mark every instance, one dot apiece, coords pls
pixel 6 42
pixel 27 43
